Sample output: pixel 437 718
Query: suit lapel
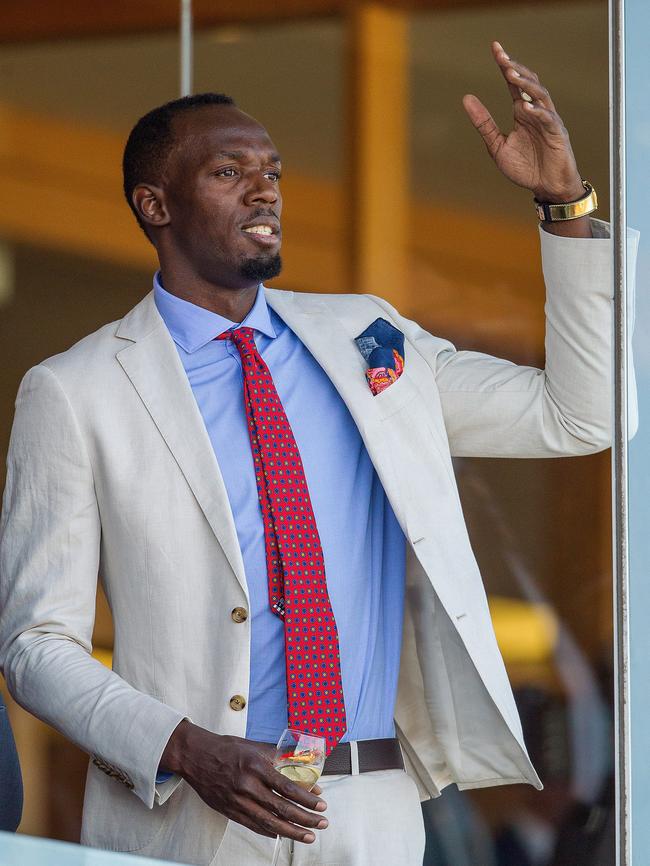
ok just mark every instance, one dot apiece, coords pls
pixel 151 362
pixel 331 341
pixel 331 345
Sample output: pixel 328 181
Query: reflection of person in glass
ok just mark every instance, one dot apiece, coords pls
pixel 257 553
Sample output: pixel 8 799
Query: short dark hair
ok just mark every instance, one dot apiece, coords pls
pixel 151 139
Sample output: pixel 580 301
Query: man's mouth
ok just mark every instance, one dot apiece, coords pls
pixel 259 230
pixel 266 234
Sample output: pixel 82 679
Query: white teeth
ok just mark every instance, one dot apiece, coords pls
pixel 259 230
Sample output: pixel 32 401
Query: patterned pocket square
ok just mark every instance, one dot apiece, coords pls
pixel 382 346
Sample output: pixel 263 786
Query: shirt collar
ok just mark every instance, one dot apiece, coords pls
pixel 192 327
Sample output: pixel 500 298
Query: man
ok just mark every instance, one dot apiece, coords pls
pixel 257 552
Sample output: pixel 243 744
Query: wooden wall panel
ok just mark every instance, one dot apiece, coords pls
pixel 31 20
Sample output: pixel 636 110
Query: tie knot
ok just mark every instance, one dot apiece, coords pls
pixel 241 337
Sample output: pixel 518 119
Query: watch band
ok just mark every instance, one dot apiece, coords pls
pixel 572 210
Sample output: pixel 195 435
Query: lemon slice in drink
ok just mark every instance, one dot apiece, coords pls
pixel 304 776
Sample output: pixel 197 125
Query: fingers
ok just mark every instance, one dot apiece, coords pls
pixel 285 806
pixel 294 792
pixel 275 781
pixel 266 824
pixel 276 817
pixel 544 118
pixel 248 822
pixel 289 812
pixel 280 815
pixel 484 123
pixel 536 103
pixel 521 79
pixel 504 63
pixel 531 86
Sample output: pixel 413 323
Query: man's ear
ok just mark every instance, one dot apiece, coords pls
pixel 149 202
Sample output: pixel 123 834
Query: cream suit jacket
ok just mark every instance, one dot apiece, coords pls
pixel 111 472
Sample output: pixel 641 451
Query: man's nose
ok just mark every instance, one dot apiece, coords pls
pixel 261 189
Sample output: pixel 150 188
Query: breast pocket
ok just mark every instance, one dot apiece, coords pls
pixel 398 395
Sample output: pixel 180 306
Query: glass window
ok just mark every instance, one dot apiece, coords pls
pixel 72 259
pixel 540 528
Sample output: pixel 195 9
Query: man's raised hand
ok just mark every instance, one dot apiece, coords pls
pixel 537 153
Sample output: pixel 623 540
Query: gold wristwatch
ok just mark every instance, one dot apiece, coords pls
pixel 571 210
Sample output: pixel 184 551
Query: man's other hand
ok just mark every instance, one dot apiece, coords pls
pixel 236 777
pixel 537 153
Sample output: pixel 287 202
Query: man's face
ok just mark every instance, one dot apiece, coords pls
pixel 223 198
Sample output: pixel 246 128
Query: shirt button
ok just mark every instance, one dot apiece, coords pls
pixel 237 702
pixel 239 614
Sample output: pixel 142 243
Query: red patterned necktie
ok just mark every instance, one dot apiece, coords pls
pixel 294 557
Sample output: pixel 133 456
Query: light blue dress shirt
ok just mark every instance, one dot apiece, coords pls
pixel 363 545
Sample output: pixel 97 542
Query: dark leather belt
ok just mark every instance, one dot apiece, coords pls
pixel 373 755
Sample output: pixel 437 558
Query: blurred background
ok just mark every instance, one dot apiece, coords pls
pixel 388 190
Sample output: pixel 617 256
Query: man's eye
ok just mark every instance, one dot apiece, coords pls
pixel 273 175
pixel 225 172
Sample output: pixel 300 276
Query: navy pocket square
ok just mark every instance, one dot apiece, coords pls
pixel 382 346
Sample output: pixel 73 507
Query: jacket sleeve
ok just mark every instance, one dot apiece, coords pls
pixel 50 534
pixel 494 408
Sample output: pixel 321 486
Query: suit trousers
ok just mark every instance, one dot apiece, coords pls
pixel 375 819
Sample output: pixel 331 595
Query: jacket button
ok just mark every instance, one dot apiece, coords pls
pixel 239 614
pixel 237 702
